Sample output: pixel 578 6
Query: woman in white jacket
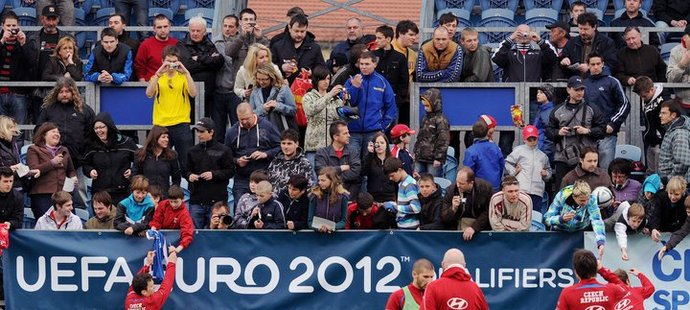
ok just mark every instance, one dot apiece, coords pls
pixel 530 166
pixel 257 55
pixel 320 108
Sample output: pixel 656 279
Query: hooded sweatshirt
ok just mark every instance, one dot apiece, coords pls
pixel 110 159
pixel 134 214
pixel 455 283
pixel 434 132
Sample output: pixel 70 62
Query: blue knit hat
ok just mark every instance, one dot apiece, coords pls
pixel 652 183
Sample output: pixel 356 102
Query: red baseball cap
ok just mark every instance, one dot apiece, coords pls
pixel 401 129
pixel 530 131
pixel 489 120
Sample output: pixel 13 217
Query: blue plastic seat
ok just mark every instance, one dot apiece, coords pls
pixel 443 184
pixel 546 4
pixel 209 4
pixel 21 4
pixel 510 5
pixel 106 3
pixel 450 168
pixel 462 15
pixel 628 151
pixel 172 5
pixel 646 5
pixel 85 5
pixel 454 4
pixel 541 17
pixel 155 11
pixel 666 50
pixel 27 16
pixel 496 18
pixel 102 16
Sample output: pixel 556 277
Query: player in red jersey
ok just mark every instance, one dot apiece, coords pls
pixel 142 294
pixel 410 297
pixel 634 300
pixel 588 293
pixel 455 288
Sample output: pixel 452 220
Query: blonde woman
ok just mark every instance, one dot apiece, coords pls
pixel 9 149
pixel 258 55
pixel 272 99
pixel 64 62
pixel 573 209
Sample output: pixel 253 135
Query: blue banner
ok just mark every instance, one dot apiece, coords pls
pixel 279 269
pixel 463 106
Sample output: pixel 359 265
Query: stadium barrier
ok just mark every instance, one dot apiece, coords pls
pixel 284 269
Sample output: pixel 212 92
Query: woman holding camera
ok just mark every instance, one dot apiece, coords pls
pixel 54 163
pixel 273 99
pixel 320 106
pixel 378 183
pixel 64 62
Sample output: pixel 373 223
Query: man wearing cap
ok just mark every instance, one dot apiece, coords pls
pixel 678 65
pixel 40 46
pixel 632 17
pixel 476 65
pixel 401 136
pixel 209 169
pixel 171 87
pixel 573 125
pixel 559 36
pixel 524 55
pixel 530 166
pixel 606 94
pixel 439 60
pixel 637 58
pixel 574 61
pixel 545 99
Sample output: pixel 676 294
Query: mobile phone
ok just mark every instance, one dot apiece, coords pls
pixel 250 86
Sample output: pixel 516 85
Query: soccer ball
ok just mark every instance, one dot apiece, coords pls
pixel 604 196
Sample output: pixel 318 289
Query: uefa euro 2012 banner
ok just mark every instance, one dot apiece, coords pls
pixel 281 269
pixel 670 276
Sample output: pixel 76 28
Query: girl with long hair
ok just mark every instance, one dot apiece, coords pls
pixel 157 161
pixel 329 200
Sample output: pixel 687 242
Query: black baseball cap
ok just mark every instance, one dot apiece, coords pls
pixel 50 11
pixel 559 24
pixel 205 124
pixel 575 82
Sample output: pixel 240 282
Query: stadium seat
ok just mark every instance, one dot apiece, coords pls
pixel 545 4
pixel 450 168
pixel 454 4
pixel 106 3
pixel 496 18
pixel 462 15
pixel 541 17
pixel 620 5
pixel 102 16
pixel 443 184
pixel 206 13
pixel 27 16
pixel 23 153
pixel 85 5
pixel 628 151
pixel 172 5
pixel 666 50
pixel 21 4
pixel 209 4
pixel 510 5
pixel 155 11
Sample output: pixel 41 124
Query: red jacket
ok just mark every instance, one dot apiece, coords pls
pixel 166 217
pixel 454 290
pixel 396 301
pixel 589 293
pixel 634 300
pixel 157 299
pixel 148 59
pixel 360 222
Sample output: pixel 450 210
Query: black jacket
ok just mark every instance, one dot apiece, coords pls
pixel 208 61
pixel 56 69
pixel 217 158
pixel 602 44
pixel 308 55
pixel 476 207
pixel 667 10
pixel 296 210
pixel 667 216
pixel 524 68
pixel 129 41
pixel 20 65
pixel 33 48
pixel 393 66
pixel 110 160
pixel 430 218
pixel 638 21
pixel 12 208
pixel 378 183
pixel 119 63
pixel 643 61
pixel 159 170
pixel 73 126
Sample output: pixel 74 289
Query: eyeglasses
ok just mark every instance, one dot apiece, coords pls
pixel 100 127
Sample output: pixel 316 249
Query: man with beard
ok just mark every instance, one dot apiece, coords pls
pixel 410 296
pixel 590 40
pixel 149 58
pixel 296 51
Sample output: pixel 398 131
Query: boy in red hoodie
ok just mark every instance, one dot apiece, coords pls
pixel 634 300
pixel 142 294
pixel 172 213
pixel 455 288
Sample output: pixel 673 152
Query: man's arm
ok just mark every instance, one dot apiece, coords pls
pixel 90 73
pixel 609 276
pixel 622 105
pixel 495 217
pixel 390 109
pixel 355 167
pixel 226 169
pixel 161 295
pixel 681 153
pixel 501 57
pixel 647 288
pixel 119 78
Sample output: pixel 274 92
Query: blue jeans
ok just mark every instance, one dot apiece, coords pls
pixel 201 215
pixel 225 105
pixel 429 168
pixel 607 151
pixel 140 7
pixel 240 186
pixel 14 106
pixel 360 140
pixel 182 140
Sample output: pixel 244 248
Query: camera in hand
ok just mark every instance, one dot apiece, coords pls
pixel 14 31
pixel 227 220
pixel 173 66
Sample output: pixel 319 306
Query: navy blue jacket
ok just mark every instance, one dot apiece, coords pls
pixel 242 141
pixel 376 102
pixel 606 94
pixel 296 210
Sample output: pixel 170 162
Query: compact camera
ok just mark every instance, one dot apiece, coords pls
pixel 173 66
pixel 14 31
